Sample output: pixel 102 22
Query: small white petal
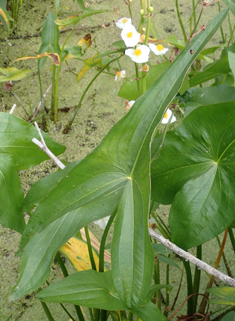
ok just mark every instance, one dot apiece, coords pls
pixel 167 117
pixel 138 55
pixel 121 23
pixel 120 74
pixel 102 222
pixel 158 49
pixel 130 36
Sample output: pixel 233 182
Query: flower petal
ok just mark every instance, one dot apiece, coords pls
pixel 138 55
pixel 158 49
pixel 130 36
pixel 121 23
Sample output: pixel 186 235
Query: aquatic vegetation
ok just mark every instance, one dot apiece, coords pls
pixel 138 165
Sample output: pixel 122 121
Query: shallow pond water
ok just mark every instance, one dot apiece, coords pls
pixel 101 109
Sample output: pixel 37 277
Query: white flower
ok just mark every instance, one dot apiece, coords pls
pixel 129 104
pixel 139 55
pixel 120 74
pixel 167 117
pixel 121 23
pixel 130 36
pixel 102 222
pixel 158 49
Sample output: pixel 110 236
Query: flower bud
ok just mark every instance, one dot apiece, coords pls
pixel 143 29
pixel 150 9
pixel 142 12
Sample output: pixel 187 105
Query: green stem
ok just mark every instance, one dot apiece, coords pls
pixel 101 256
pixel 62 265
pixel 90 248
pixel 69 124
pixel 178 291
pixel 79 313
pixel 197 276
pixel 103 315
pixel 67 312
pixel 180 21
pixel 103 240
pixel 195 27
pixel 144 85
pixel 96 314
pixel 194 13
pixel 157 281
pixel 224 259
pixel 232 239
pixel 58 77
pixel 221 28
pixel 130 12
pixel 47 311
pixel 167 291
pixel 189 286
pixel 40 86
pixel 230 28
pixel 91 314
pixel 54 103
pixel 137 79
pixel 130 317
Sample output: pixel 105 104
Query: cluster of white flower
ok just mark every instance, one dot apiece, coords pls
pixel 138 53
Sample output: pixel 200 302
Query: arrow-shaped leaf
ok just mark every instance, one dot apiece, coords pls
pixel 196 171
pixel 120 167
pixel 86 288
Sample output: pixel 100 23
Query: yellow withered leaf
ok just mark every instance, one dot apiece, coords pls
pixel 54 56
pixel 77 252
pixel 85 42
pixel 3 14
pixel 88 64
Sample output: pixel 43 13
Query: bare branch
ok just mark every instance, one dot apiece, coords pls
pixel 189 257
pixel 12 109
pixel 44 147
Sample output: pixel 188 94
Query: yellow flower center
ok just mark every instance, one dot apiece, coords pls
pixel 118 73
pixel 165 116
pixel 124 20
pixel 129 34
pixel 159 47
pixel 137 52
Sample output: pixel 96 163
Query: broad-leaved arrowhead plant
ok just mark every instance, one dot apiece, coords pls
pixel 116 178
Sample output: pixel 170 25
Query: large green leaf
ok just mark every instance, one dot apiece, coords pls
pixel 11 196
pixel 43 246
pixel 226 295
pixel 196 172
pixel 120 166
pixel 202 96
pixel 230 316
pixel 16 142
pixel 150 312
pixel 231 60
pixel 86 288
pixel 215 69
pixel 17 152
